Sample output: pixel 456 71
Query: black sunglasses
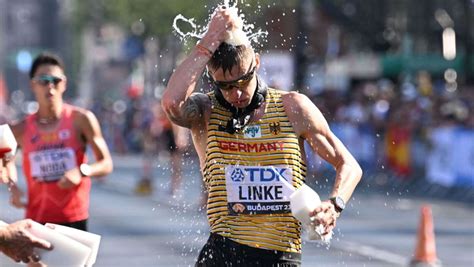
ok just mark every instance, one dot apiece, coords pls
pixel 239 83
pixel 45 80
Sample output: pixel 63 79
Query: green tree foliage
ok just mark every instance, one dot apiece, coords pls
pixel 158 15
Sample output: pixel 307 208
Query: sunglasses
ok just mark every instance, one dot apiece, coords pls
pixel 239 83
pixel 45 80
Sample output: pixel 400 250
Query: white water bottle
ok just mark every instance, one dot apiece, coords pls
pixel 7 141
pixel 303 201
pixel 66 251
pixel 90 240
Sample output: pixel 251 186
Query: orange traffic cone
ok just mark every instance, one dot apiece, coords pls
pixel 425 253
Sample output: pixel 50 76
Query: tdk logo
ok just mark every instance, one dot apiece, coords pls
pixel 237 175
pixel 258 174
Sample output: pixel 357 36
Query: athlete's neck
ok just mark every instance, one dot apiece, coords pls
pixel 49 114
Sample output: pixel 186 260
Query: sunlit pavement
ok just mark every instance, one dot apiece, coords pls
pixel 162 230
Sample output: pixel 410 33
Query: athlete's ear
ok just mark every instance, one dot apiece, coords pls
pixel 65 84
pixel 257 60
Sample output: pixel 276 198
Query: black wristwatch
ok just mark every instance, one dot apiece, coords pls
pixel 338 203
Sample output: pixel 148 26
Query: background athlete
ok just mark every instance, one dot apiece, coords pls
pixel 53 141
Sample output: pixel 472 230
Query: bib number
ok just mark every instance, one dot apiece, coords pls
pixel 258 189
pixel 50 165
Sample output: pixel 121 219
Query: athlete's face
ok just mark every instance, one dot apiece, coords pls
pixel 48 84
pixel 239 85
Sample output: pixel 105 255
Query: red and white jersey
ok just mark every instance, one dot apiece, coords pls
pixel 46 156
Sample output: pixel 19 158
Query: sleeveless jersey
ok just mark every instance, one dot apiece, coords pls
pixel 247 176
pixel 46 156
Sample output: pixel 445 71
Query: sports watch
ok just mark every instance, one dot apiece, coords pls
pixel 85 169
pixel 338 203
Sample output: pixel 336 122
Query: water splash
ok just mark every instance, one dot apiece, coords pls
pixel 194 33
pixel 244 34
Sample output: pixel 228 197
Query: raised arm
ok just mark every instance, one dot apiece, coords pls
pixel 180 104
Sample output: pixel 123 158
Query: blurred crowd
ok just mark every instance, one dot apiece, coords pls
pixel 411 130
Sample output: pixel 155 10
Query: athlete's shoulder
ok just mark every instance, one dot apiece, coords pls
pixel 292 95
pixel 80 113
pixel 83 117
pixel 75 110
pixel 295 100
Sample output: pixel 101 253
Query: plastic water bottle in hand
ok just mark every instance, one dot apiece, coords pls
pixel 8 143
pixel 303 201
pixel 88 239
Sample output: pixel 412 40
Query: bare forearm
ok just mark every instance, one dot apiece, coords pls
pixel 101 168
pixel 348 175
pixel 183 81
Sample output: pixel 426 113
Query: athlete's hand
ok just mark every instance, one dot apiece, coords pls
pixel 16 196
pixel 326 215
pixel 220 23
pixel 70 179
pixel 20 243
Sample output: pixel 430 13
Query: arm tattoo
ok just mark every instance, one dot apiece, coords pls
pixel 191 109
pixel 191 112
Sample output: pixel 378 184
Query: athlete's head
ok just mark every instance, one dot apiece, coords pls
pixel 233 70
pixel 46 58
pixel 47 78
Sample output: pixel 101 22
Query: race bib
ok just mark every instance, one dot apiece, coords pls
pixel 50 165
pixel 258 189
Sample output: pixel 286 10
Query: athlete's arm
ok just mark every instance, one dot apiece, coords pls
pixel 92 133
pixel 180 104
pixel 310 124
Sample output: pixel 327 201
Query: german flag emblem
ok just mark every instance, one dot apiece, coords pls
pixel 275 128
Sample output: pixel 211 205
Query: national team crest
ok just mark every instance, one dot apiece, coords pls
pixel 275 127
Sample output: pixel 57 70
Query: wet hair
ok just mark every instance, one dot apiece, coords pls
pixel 227 56
pixel 45 58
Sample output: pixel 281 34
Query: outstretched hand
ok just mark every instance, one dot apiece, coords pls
pixel 18 243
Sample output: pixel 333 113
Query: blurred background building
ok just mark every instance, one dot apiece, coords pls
pixel 394 78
